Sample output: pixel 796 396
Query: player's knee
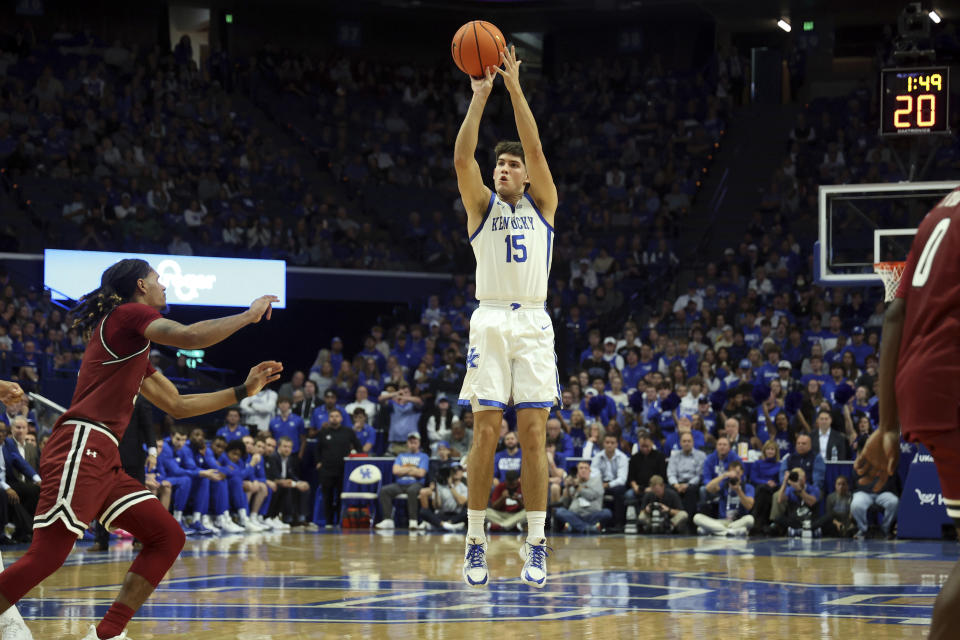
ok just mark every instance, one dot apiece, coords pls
pixel 46 560
pixel 172 539
pixel 165 535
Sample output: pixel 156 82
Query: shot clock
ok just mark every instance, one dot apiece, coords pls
pixel 915 101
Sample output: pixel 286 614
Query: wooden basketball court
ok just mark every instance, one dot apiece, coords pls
pixel 408 585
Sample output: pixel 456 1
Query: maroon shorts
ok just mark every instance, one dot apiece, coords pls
pixel 82 478
pixel 944 446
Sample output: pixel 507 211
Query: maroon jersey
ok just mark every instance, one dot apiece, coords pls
pixel 928 372
pixel 114 365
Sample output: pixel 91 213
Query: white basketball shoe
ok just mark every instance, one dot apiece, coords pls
pixel 92 635
pixel 475 572
pixel 534 571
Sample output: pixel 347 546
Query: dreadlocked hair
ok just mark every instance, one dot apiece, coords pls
pixel 117 285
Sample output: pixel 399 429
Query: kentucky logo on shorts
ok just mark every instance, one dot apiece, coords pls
pixel 472 358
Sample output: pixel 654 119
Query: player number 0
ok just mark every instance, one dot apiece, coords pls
pixel 929 252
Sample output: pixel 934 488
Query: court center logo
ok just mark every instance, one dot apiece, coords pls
pixel 185 286
pixel 573 595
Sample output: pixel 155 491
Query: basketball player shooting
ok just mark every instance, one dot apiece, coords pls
pixel 919 380
pixel 511 334
pixel 83 478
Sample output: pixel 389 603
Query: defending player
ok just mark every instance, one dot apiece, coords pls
pixel 83 478
pixel 511 334
pixel 919 381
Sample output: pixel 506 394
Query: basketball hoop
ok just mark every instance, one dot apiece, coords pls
pixel 890 273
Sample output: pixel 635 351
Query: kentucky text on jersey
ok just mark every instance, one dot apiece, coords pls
pixel 514 250
pixel 500 223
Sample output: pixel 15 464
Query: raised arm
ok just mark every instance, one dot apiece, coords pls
pixel 473 192
pixel 200 335
pixel 881 453
pixel 542 189
pixel 161 392
pixel 889 355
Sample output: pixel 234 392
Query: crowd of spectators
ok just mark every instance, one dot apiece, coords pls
pixel 716 409
pixel 111 145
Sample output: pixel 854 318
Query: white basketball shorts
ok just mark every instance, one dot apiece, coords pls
pixel 511 356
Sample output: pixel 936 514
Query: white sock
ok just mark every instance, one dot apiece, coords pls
pixel 178 515
pixel 475 519
pixel 11 615
pixel 196 516
pixel 536 520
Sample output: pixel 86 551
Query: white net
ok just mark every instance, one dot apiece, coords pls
pixel 890 273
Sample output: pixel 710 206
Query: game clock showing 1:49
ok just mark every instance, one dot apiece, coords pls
pixel 915 101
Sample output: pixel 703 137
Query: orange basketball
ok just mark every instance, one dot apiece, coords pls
pixel 476 46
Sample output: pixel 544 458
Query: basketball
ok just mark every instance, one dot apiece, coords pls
pixel 476 46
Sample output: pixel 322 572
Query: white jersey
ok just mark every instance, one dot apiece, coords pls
pixel 514 251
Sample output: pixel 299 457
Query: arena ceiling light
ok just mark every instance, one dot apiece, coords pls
pixel 934 16
pixel 783 24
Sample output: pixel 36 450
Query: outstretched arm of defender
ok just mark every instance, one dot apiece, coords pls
pixel 200 335
pixel 160 391
pixel 542 189
pixel 881 453
pixel 889 356
pixel 474 193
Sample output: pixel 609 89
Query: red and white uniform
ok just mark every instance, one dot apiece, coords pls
pixel 928 371
pixel 83 477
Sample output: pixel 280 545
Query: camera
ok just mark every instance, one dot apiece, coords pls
pixel 794 476
pixel 733 482
pixel 913 44
pixel 659 523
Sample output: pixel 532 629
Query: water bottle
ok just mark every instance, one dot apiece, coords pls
pixel 807 533
pixel 833 453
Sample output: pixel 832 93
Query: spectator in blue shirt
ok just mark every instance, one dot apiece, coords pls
pixel 840 348
pixel 815 334
pixel 798 501
pixel 666 419
pixel 632 371
pixel 321 414
pixel 733 505
pixel 816 372
pixel 370 351
pixel 233 430
pixel 508 459
pixel 562 441
pixel 805 457
pixel 404 409
pixel 190 484
pixel 648 361
pixel 409 471
pixel 831 334
pixel 289 424
pixel 672 442
pixel 366 434
pixel 858 347
pixel 836 379
pixel 765 478
pixel 597 404
pixel 769 370
pixel 716 464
